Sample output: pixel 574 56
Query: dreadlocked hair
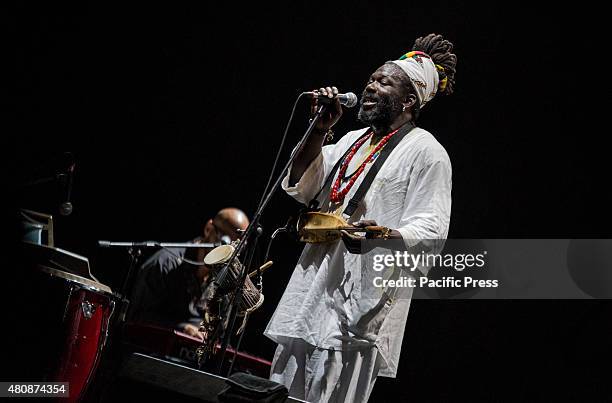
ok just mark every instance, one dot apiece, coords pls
pixel 439 49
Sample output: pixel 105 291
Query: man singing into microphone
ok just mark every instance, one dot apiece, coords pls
pixel 331 343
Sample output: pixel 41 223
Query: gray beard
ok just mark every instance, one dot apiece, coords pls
pixel 381 116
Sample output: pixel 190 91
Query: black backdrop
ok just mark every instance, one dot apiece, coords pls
pixel 175 111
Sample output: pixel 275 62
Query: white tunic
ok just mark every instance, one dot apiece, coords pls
pixel 324 303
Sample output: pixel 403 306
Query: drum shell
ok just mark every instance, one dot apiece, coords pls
pixel 85 328
pixel 217 259
pixel 62 322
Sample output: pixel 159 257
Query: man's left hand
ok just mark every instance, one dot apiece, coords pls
pixel 354 243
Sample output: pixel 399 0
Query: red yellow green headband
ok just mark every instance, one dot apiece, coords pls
pixel 415 54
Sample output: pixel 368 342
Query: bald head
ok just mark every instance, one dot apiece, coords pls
pixel 229 221
pixel 232 217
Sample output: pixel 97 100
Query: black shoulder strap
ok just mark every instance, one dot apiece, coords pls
pixel 380 160
pixel 314 204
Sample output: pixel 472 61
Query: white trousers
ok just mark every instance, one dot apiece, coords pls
pixel 320 375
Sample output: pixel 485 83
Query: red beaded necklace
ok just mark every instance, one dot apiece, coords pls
pixel 337 195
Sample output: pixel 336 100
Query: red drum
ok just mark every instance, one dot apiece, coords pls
pixel 81 331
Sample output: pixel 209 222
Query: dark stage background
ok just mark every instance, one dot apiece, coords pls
pixel 174 112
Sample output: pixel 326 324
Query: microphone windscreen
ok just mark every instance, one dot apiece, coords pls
pixel 351 100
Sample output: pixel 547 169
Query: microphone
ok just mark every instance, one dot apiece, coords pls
pixel 66 207
pixel 349 99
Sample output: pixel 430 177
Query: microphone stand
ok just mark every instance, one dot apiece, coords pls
pixel 254 224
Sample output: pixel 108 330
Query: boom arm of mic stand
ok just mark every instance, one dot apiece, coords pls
pixel 155 244
pixel 254 224
pixel 134 250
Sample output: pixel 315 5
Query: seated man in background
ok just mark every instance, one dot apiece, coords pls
pixel 168 288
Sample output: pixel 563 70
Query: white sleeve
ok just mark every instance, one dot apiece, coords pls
pixel 427 206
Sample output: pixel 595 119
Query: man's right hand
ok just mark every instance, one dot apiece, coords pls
pixel 332 114
pixel 313 145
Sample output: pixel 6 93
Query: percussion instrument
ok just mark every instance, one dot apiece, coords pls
pixel 251 297
pixel 84 327
pixel 71 315
pixel 316 227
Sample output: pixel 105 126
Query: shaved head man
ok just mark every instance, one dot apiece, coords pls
pixel 229 221
pixel 170 283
